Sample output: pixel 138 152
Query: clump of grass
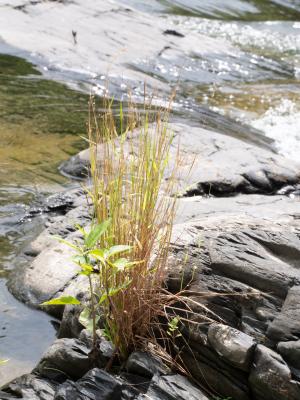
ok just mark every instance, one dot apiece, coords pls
pixel 129 159
pixel 125 253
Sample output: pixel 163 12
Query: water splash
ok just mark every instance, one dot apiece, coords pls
pixel 282 123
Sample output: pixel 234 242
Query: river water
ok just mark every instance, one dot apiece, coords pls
pixel 42 121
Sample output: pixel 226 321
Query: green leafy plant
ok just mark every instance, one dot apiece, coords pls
pixel 173 329
pixel 104 262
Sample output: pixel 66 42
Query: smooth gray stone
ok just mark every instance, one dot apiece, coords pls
pixel 286 326
pixel 290 351
pixel 232 345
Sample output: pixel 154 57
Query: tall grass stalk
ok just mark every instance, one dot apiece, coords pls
pixel 129 159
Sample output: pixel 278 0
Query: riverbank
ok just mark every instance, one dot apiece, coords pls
pixel 241 250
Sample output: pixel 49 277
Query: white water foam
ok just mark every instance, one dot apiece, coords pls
pixel 282 123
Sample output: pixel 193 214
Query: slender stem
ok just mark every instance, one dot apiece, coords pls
pixel 93 308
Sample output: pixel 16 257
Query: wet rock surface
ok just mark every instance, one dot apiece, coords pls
pixel 76 48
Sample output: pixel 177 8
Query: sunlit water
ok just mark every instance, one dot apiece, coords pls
pixel 41 121
pixel 40 126
pixel 252 83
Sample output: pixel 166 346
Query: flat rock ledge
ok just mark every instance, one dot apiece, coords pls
pixel 222 165
pixel 238 257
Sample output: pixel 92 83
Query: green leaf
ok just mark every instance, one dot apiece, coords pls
pixel 3 362
pixel 70 244
pixel 123 263
pixel 99 254
pixel 118 249
pixel 95 234
pixel 78 259
pixel 86 320
pixel 61 301
pixel 87 269
pixel 113 291
pixel 81 230
pixel 120 264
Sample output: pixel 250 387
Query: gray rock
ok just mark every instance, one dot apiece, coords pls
pixel 233 246
pixel 95 385
pixel 233 250
pixel 59 202
pixel 29 387
pixel 70 327
pixel 133 385
pixel 214 375
pixel 172 387
pixel 76 167
pixel 290 351
pixel 222 165
pixel 65 358
pixel 144 364
pixel 270 377
pixel 105 347
pixel 49 272
pixel 132 24
pixel 286 326
pixel 52 259
pixel 242 243
pixel 232 345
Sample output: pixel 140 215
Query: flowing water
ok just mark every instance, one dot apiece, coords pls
pixel 257 84
pixel 41 122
